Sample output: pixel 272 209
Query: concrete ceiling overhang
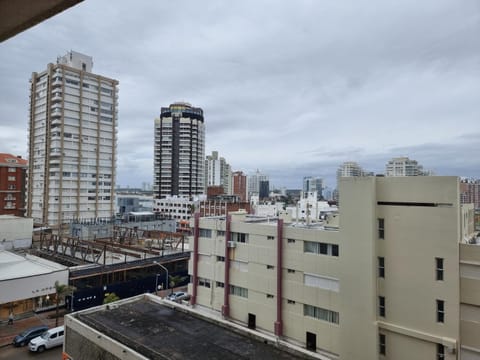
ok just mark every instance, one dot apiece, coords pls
pixel 19 15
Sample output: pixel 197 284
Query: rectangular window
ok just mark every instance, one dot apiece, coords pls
pixel 270 237
pixel 291 302
pixel 291 241
pixel 239 237
pixel 381 306
pixel 440 311
pixel 238 291
pixel 439 268
pixel 204 282
pixel 321 282
pixel 381 267
pixel 290 271
pixel 220 233
pixel 381 228
pixel 11 178
pixel 12 169
pixel 382 344
pixel 320 248
pixel 221 258
pixel 269 296
pixel 270 267
pixel 440 352
pixel 219 284
pixel 207 233
pixel 11 187
pixel 321 314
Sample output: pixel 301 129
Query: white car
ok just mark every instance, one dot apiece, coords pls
pixel 177 296
pixel 49 339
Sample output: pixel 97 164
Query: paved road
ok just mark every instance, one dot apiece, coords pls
pixel 11 352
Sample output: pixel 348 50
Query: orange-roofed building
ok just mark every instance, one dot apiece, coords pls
pixel 13 170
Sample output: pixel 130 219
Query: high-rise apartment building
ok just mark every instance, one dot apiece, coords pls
pixel 312 184
pixel 395 275
pixel 72 142
pixel 13 170
pixel 179 155
pixel 254 182
pixel 350 168
pixel 239 185
pixel 470 192
pixel 218 172
pixel 403 166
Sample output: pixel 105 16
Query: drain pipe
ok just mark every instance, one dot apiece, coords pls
pixel 226 290
pixel 196 232
pixel 278 326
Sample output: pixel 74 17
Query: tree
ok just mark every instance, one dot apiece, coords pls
pixel 175 280
pixel 110 297
pixel 61 290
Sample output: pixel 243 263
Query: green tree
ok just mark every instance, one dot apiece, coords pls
pixel 175 280
pixel 110 297
pixel 61 290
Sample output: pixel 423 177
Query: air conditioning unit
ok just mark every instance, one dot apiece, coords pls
pixel 231 244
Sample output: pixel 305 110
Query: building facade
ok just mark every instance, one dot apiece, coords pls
pixel 218 172
pixel 72 142
pixel 313 184
pixel 254 182
pixel 470 192
pixel 13 171
pixel 239 185
pixel 397 278
pixel 179 154
pixel 403 166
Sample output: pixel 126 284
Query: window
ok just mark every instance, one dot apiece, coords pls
pixel 290 271
pixel 320 248
pixel 11 178
pixel 321 314
pixel 238 291
pixel 321 282
pixel 381 306
pixel 270 237
pixel 219 284
pixel 440 311
pixel 291 302
pixel 11 187
pixel 207 233
pixel 204 282
pixel 270 267
pixel 439 268
pixel 382 344
pixel 381 267
pixel 12 169
pixel 269 296
pixel 381 228
pixel 291 241
pixel 221 258
pixel 220 233
pixel 239 237
pixel 440 352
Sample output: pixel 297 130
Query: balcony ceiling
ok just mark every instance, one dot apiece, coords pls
pixel 19 15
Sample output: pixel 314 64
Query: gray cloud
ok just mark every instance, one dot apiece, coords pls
pixel 293 89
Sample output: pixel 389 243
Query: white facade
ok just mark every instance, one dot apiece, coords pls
pixel 311 184
pixel 72 142
pixel 350 168
pixel 253 182
pixel 178 207
pixel 179 153
pixel 28 277
pixel 15 232
pixel 403 166
pixel 308 208
pixel 218 172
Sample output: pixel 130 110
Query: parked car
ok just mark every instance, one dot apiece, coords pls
pixel 178 295
pixel 49 339
pixel 24 337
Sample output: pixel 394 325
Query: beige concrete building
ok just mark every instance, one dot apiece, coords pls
pixel 398 278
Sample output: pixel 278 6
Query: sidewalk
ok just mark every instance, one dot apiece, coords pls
pixel 8 332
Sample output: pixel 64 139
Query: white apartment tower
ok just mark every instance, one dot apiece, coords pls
pixel 218 172
pixel 254 182
pixel 179 155
pixel 72 142
pixel 403 166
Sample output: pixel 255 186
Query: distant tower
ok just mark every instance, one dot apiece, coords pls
pixel 311 184
pixel 254 182
pixel 179 155
pixel 239 185
pixel 218 171
pixel 73 142
pixel 403 166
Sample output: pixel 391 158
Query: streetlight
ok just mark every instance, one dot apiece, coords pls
pixel 156 280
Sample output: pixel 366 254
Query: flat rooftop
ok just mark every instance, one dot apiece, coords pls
pixel 159 331
pixel 14 266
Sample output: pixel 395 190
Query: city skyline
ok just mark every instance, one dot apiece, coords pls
pixel 295 93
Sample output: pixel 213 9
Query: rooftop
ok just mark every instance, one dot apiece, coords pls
pixel 14 266
pixel 157 330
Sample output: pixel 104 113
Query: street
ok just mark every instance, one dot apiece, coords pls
pixel 22 353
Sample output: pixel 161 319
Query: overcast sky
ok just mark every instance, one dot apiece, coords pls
pixel 293 88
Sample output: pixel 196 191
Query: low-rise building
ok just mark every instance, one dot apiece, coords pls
pixel 396 276
pixel 15 232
